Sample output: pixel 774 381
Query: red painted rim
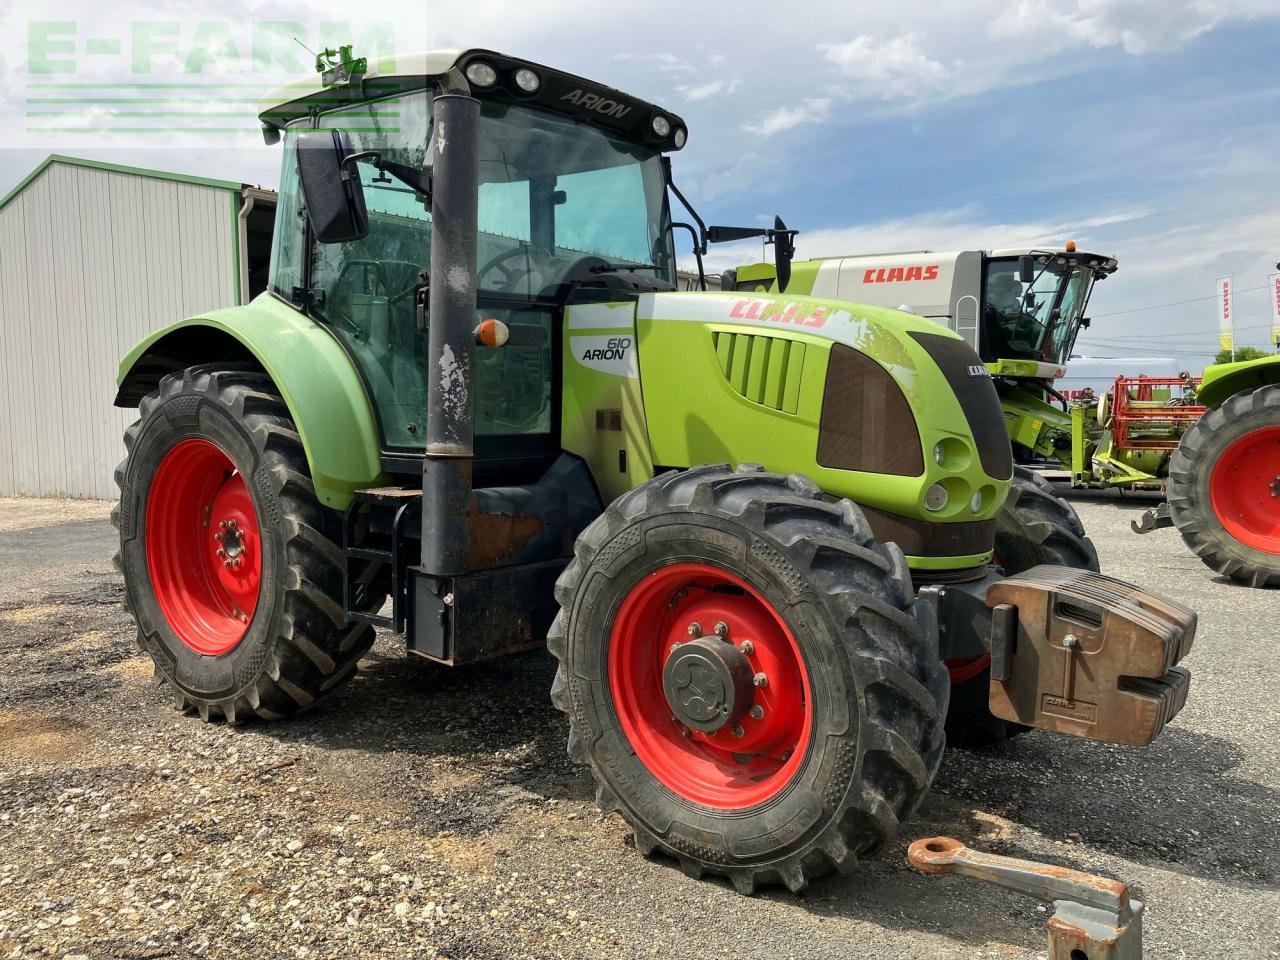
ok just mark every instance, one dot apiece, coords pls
pixel 203 546
pixel 1243 489
pixel 966 668
pixel 717 769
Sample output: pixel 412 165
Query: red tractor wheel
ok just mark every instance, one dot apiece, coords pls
pixel 1224 487
pixel 692 639
pixel 748 675
pixel 203 546
pixel 229 562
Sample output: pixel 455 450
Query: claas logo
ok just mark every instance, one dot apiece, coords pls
pixel 900 274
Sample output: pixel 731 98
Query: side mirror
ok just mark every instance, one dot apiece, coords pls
pixel 1027 270
pixel 334 197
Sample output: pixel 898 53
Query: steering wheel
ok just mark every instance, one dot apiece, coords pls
pixel 512 275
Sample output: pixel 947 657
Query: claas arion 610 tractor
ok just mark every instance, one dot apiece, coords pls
pixel 473 408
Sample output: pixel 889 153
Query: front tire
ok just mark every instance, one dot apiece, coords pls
pixel 848 734
pixel 1224 487
pixel 229 561
pixel 1035 526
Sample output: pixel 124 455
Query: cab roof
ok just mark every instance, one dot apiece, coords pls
pixel 582 99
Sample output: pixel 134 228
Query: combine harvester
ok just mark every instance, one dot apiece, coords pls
pixel 1213 445
pixel 752 572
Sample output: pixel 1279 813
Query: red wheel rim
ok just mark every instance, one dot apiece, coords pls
pixel 203 547
pixel 714 769
pixel 966 668
pixel 1244 489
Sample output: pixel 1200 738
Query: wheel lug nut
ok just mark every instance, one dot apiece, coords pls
pixel 218 536
pixel 222 524
pixel 235 562
pixel 221 552
pixel 747 648
pixel 674 647
pixel 695 629
pixel 722 629
pixel 244 618
pixel 760 680
pixel 737 731
pixel 757 712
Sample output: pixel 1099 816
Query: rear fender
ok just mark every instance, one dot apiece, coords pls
pixel 315 377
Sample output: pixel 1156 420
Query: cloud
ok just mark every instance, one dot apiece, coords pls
pixel 706 91
pixel 1136 26
pixel 812 110
pixel 886 69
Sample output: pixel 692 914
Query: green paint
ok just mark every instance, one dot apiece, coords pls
pixel 711 390
pixel 317 381
pixel 1224 380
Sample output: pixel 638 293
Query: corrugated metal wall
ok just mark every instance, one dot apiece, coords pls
pixel 91 261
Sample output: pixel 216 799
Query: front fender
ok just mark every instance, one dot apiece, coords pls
pixel 1224 380
pixel 315 377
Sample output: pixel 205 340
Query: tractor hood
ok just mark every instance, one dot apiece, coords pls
pixel 896 404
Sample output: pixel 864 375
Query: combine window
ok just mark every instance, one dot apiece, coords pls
pixel 1036 321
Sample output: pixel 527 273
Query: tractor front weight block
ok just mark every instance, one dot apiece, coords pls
pixel 1087 655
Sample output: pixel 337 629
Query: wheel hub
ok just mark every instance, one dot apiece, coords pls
pixel 708 684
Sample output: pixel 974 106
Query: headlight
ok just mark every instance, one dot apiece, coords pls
pixel 527 80
pixel 976 503
pixel 481 74
pixel 680 138
pixel 936 498
pixel 939 454
pixel 661 126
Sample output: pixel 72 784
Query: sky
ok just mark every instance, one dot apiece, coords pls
pixel 1148 131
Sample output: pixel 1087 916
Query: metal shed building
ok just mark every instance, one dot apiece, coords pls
pixel 94 256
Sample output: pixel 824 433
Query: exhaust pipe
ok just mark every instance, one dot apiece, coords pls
pixel 446 469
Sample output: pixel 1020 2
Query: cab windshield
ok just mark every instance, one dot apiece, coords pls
pixel 1037 321
pixel 561 199
pixel 560 202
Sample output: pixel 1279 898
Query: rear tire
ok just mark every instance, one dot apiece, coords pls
pixel 1035 526
pixel 861 653
pixel 222 648
pixel 1224 487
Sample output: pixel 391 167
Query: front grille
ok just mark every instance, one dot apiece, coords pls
pixel 766 370
pixel 867 423
pixel 977 397
pixel 926 538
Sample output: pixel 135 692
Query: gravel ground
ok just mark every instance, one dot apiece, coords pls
pixel 426 812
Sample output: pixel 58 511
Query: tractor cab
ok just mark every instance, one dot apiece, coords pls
pixel 571 202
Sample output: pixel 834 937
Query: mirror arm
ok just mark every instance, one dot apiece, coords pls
pixel 700 234
pixel 697 253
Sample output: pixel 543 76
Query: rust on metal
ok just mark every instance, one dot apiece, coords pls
pixel 499 538
pixel 1094 917
pixel 1092 656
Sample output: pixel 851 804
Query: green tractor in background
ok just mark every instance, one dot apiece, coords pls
pixel 1223 492
pixel 474 409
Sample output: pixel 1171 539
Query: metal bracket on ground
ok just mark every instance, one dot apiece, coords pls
pixel 1093 917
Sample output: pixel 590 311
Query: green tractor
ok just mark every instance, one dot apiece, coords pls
pixel 1223 492
pixel 474 409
